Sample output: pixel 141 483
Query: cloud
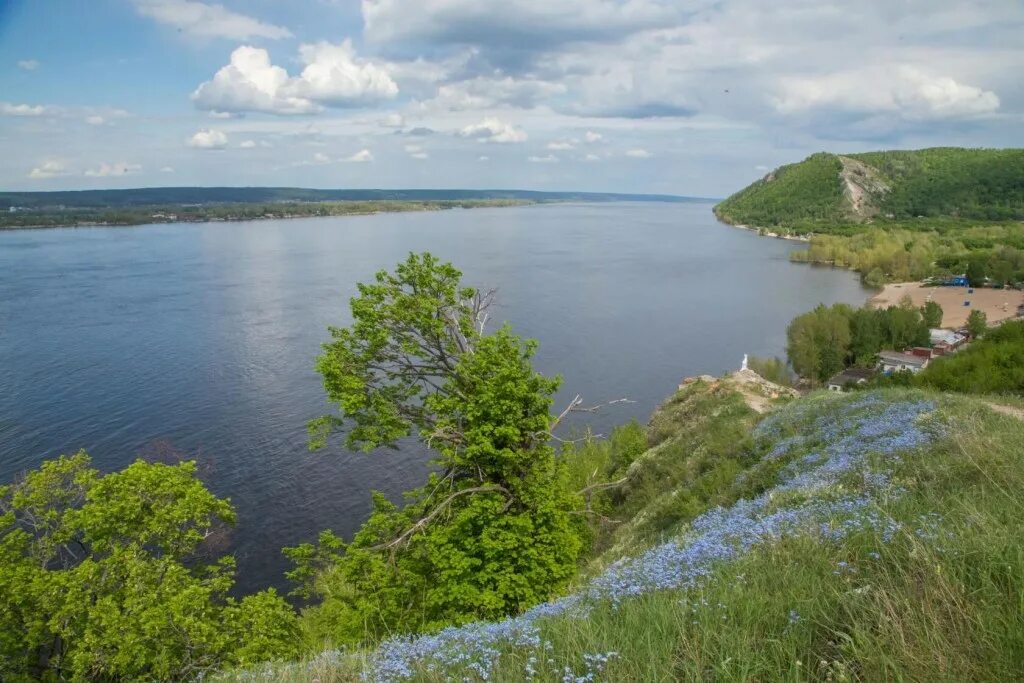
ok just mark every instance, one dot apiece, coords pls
pixel 247 144
pixel 167 169
pixel 332 76
pixel 251 83
pixel 488 92
pixel 208 138
pixel 116 169
pixel 561 145
pixel 362 156
pixel 510 25
pixel 591 157
pixel 9 109
pixel 592 137
pixel 492 129
pixel 416 152
pixel 28 64
pixel 51 168
pixel 638 154
pixel 420 131
pixel 393 120
pixel 203 20
pixel 906 91
pixel 95 120
pixel 547 159
pixel 321 158
pixel 483 158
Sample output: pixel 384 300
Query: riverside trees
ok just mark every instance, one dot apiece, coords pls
pixel 100 579
pixel 823 341
pixel 490 532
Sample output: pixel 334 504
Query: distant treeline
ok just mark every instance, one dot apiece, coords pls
pixel 199 213
pixel 156 196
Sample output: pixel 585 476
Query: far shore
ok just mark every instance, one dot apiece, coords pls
pixel 997 304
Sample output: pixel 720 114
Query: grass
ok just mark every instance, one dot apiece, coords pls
pixel 920 577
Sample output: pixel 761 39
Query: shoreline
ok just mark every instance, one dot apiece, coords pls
pixel 761 232
pixel 158 219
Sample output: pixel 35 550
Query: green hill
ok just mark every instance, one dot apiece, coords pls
pixel 872 536
pixel 941 182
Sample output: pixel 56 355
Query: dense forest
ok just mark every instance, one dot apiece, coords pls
pixel 829 192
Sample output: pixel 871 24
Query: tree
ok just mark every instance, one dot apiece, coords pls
pixel 977 323
pixel 100 580
pixel 490 533
pixel 932 314
pixel 818 342
pixel 865 336
pixel 976 272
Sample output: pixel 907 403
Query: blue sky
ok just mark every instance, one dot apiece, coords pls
pixel 691 97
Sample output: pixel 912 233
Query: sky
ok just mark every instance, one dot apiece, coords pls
pixel 690 97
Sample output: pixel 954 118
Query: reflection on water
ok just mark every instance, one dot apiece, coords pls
pixel 202 338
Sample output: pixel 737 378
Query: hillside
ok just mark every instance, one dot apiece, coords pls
pixel 869 537
pixel 941 182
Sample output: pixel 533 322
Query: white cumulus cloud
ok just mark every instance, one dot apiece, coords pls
pixel 206 20
pixel 9 109
pixel 28 64
pixel 906 91
pixel 592 137
pixel 638 154
pixel 247 144
pixel 362 156
pixel 546 159
pixel 560 145
pixel 208 138
pixel 492 129
pixel 50 168
pixel 118 168
pixel 332 76
pixel 416 152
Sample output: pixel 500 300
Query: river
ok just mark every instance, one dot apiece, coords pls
pixel 200 338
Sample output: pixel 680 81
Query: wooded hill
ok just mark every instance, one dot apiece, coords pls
pixel 833 189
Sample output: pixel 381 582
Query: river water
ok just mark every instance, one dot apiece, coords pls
pixel 200 339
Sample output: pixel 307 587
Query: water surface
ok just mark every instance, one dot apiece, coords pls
pixel 201 338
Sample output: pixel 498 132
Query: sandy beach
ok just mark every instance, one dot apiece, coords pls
pixel 998 304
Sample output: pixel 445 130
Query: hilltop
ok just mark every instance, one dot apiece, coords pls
pixel 870 536
pixel 826 190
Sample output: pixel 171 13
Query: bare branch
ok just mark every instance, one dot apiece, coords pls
pixel 606 485
pixel 422 524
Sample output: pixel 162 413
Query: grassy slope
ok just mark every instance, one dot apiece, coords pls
pixel 964 184
pixel 903 560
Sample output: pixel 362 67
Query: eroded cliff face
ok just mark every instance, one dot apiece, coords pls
pixel 863 188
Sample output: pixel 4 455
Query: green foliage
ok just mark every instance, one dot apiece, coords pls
pixel 932 314
pixel 984 184
pixel 817 342
pixel 772 369
pixel 977 323
pixel 824 341
pixel 100 579
pixel 490 532
pixel 972 184
pixel 993 365
pixel 809 190
pixel 939 599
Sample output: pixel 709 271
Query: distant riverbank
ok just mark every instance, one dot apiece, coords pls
pixel 148 215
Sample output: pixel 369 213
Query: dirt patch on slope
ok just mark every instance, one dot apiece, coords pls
pixel 863 186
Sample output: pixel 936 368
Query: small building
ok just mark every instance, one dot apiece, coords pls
pixel 897 361
pixel 850 377
pixel 946 341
